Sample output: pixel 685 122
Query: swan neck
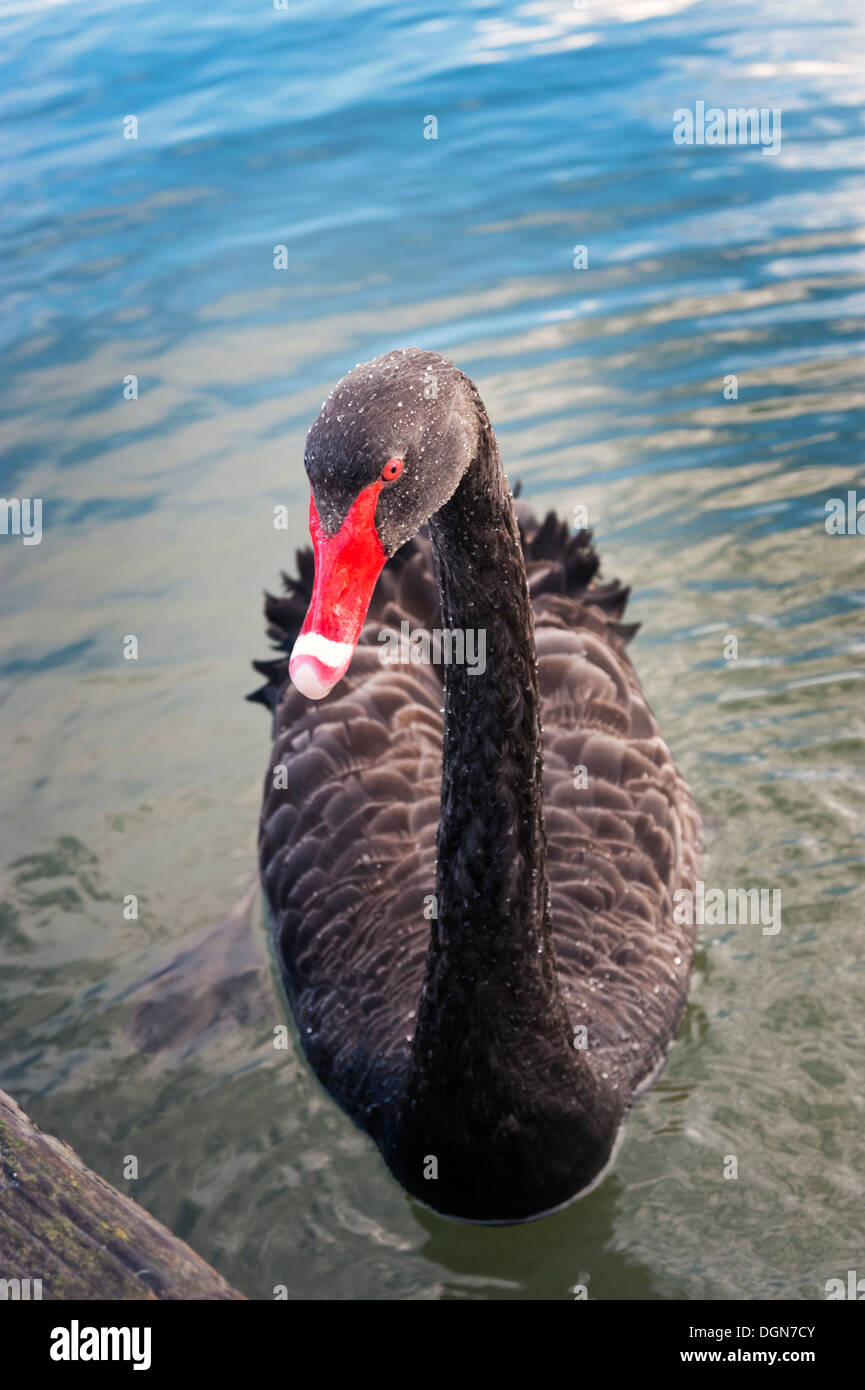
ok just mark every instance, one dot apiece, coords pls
pixel 494 1091
pixel 493 927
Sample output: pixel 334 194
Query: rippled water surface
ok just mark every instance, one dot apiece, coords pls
pixel 155 258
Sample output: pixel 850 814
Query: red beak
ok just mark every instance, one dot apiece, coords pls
pixel 347 566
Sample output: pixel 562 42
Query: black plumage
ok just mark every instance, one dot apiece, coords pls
pixel 457 1036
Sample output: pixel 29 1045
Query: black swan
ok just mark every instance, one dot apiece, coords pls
pixel 470 872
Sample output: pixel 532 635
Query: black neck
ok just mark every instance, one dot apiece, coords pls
pixel 491 946
pixel 495 1090
pixel 491 888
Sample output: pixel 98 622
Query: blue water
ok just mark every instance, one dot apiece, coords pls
pixel 154 258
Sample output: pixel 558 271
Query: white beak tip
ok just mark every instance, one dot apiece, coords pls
pixel 307 677
pixel 317 664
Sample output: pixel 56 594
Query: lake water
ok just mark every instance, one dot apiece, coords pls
pixel 154 258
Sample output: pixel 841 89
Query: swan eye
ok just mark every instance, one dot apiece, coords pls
pixel 391 470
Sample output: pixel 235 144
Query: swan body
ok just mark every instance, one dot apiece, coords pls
pixel 470 874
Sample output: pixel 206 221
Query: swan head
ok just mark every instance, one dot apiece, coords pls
pixel 388 448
